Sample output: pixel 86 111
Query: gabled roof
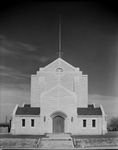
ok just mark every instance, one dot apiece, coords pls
pixel 59 63
pixel 27 110
pixel 90 110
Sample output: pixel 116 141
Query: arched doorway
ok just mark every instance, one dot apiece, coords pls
pixel 58 122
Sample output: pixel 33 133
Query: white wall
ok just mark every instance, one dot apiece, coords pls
pixel 17 127
pixel 34 91
pixel 71 79
pixel 57 100
pixel 89 129
pixel 41 127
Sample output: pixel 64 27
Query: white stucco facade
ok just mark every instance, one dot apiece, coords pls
pixel 58 90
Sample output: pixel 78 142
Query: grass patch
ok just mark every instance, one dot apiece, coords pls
pixel 109 139
pixel 107 135
pixel 96 142
pixel 18 143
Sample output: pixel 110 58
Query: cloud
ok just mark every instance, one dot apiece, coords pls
pixel 15 95
pixel 100 97
pixel 110 103
pixel 10 97
pixel 5 51
pixel 6 110
pixel 12 93
pixel 12 73
pixel 42 59
pixel 27 52
pixel 24 46
pixel 2 37
pixel 8 47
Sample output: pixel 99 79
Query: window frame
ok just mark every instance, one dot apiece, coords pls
pixel 23 122
pixel 32 122
pixel 93 123
pixel 84 123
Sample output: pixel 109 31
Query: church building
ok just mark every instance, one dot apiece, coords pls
pixel 59 104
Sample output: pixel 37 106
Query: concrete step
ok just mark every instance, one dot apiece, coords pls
pixel 64 136
pixel 60 140
pixel 56 144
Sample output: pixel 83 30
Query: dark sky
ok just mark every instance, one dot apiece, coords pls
pixel 29 40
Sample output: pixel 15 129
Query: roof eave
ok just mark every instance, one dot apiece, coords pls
pixel 89 115
pixel 27 115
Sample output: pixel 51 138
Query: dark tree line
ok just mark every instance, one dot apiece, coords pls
pixel 113 124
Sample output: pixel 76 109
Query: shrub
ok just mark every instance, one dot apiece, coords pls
pixel 113 124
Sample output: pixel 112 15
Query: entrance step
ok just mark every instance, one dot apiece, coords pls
pixel 61 136
pixel 60 140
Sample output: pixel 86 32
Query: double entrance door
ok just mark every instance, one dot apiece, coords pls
pixel 58 124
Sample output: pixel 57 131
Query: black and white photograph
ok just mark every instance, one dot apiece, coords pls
pixel 58 74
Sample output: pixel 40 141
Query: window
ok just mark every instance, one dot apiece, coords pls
pixel 93 123
pixel 84 123
pixel 23 122
pixel 32 122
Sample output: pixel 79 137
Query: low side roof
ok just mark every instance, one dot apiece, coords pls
pixel 27 110
pixel 89 111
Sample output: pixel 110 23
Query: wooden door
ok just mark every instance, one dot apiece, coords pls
pixel 58 124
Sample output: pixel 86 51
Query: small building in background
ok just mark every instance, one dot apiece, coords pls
pixel 5 127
